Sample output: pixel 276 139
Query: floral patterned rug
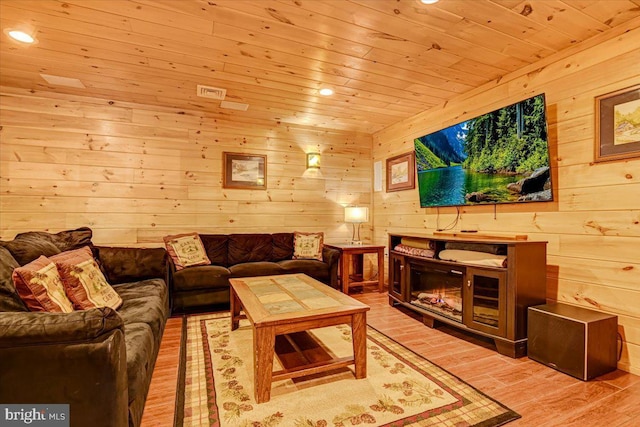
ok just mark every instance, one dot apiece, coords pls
pixel 401 389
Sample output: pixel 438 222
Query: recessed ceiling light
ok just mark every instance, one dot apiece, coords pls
pixel 20 36
pixel 428 1
pixel 325 91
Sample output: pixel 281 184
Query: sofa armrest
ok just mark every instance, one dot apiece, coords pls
pixel 171 271
pixel 74 358
pixel 331 257
pixel 123 265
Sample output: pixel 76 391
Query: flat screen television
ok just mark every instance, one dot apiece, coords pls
pixel 498 157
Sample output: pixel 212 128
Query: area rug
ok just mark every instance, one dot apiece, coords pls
pixel 401 389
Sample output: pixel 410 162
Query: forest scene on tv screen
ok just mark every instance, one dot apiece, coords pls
pixel 499 157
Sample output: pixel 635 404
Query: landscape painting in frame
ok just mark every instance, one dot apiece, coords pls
pixel 401 172
pixel 618 125
pixel 245 171
pixel 498 157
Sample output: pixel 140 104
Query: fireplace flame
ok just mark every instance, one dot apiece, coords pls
pixel 441 300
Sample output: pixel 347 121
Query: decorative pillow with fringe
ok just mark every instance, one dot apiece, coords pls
pixel 307 245
pixel 40 287
pixel 186 250
pixel 84 283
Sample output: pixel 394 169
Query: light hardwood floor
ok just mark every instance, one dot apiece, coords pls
pixel 543 396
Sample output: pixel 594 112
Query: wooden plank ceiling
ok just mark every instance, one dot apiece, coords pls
pixel 385 59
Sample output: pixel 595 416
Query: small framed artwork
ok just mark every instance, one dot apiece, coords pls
pixel 245 171
pixel 618 125
pixel 401 172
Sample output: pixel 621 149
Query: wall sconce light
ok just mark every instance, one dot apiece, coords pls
pixel 313 160
pixel 356 215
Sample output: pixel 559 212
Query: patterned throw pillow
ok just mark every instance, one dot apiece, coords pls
pixel 186 250
pixel 84 283
pixel 40 287
pixel 307 245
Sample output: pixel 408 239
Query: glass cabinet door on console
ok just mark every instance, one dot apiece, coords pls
pixel 396 277
pixel 485 307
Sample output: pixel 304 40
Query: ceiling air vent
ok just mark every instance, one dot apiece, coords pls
pixel 234 105
pixel 211 92
pixel 63 81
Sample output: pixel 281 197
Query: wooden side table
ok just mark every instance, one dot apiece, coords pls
pixel 353 256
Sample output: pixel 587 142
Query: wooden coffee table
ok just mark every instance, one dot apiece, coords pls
pixel 286 304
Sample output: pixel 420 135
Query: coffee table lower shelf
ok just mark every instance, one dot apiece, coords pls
pixel 303 355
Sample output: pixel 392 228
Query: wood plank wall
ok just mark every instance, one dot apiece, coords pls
pixel 593 226
pixel 135 173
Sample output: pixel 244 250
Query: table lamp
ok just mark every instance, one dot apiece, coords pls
pixel 356 215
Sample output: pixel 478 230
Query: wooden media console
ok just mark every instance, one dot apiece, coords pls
pixel 477 283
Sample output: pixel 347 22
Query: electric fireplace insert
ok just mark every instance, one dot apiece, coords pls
pixel 437 288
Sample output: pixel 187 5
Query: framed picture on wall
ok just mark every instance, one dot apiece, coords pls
pixel 618 125
pixel 245 171
pixel 401 172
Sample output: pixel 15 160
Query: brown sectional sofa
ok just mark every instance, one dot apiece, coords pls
pixel 243 255
pixel 99 361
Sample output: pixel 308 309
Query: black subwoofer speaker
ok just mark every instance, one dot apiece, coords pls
pixel 573 340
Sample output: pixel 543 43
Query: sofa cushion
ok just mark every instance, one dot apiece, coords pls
pixel 124 265
pixel 249 248
pixel 186 250
pixel 84 283
pixel 313 268
pixel 249 269
pixel 40 286
pixel 72 239
pixel 307 245
pixel 145 301
pixel 201 277
pixel 9 299
pixel 30 247
pixel 216 247
pixel 282 246
pixel 26 247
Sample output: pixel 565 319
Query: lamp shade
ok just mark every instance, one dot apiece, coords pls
pixel 356 214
